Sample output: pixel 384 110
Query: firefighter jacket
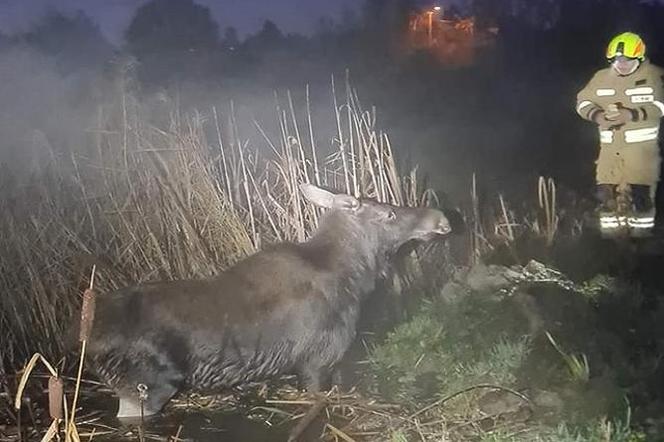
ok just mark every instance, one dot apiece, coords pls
pixel 629 154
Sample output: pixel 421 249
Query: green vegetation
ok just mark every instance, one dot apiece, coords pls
pixel 443 349
pixel 474 360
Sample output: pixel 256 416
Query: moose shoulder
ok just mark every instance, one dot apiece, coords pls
pixel 290 309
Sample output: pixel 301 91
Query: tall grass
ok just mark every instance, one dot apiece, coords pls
pixel 184 200
pixel 495 224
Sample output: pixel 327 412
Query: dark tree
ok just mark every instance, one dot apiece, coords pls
pixel 173 40
pixel 172 25
pixel 325 26
pixel 387 15
pixel 269 32
pixel 230 41
pixel 74 41
pixel 385 21
pixel 349 19
pixel 542 14
pixel 267 39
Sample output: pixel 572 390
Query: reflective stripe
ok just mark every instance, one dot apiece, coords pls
pixel 646 222
pixel 643 98
pixel 583 104
pixel 641 138
pixel 606 136
pixel 609 221
pixel 640 135
pixel 659 105
pixel 618 219
pixel 640 90
pixel 605 92
pixel 612 222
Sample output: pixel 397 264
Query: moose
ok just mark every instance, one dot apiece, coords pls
pixel 289 309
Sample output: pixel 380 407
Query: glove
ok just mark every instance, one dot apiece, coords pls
pixel 620 116
pixel 612 112
pixel 614 118
pixel 604 123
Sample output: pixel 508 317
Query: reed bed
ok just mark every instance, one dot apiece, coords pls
pixel 187 200
pixel 143 202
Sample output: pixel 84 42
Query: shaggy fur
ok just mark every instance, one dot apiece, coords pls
pixel 290 309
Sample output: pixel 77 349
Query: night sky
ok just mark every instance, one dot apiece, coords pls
pixel 114 15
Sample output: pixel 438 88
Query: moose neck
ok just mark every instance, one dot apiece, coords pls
pixel 351 251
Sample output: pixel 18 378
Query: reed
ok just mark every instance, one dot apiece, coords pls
pixel 185 200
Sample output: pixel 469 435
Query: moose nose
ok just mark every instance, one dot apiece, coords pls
pixel 443 226
pixel 438 222
pixel 455 221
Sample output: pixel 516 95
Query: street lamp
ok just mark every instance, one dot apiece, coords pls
pixel 436 10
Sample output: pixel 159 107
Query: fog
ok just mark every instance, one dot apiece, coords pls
pixel 142 156
pixel 508 116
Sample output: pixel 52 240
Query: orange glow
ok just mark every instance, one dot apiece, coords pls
pixel 452 41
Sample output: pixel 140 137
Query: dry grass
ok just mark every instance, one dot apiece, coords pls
pixel 188 200
pixel 499 225
pixel 182 201
pixel 185 200
pixel 350 416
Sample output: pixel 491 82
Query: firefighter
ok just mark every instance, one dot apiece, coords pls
pixel 626 102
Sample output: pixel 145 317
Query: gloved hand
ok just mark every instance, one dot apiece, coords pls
pixel 612 112
pixel 620 116
pixel 603 122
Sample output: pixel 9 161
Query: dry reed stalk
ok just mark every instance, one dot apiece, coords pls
pixel 508 221
pixel 338 433
pixel 314 154
pixel 87 320
pixel 166 203
pixel 55 394
pixel 223 158
pixel 353 158
pixel 546 191
pixel 341 140
pixel 307 419
pixel 297 141
pixel 477 229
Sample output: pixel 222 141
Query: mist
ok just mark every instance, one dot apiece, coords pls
pixel 166 143
pixel 450 121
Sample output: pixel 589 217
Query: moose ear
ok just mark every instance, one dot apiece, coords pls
pixel 346 202
pixel 317 196
pixel 329 200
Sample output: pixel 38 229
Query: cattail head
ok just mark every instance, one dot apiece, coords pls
pixel 55 395
pixel 87 314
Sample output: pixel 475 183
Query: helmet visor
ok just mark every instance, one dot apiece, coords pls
pixel 625 65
